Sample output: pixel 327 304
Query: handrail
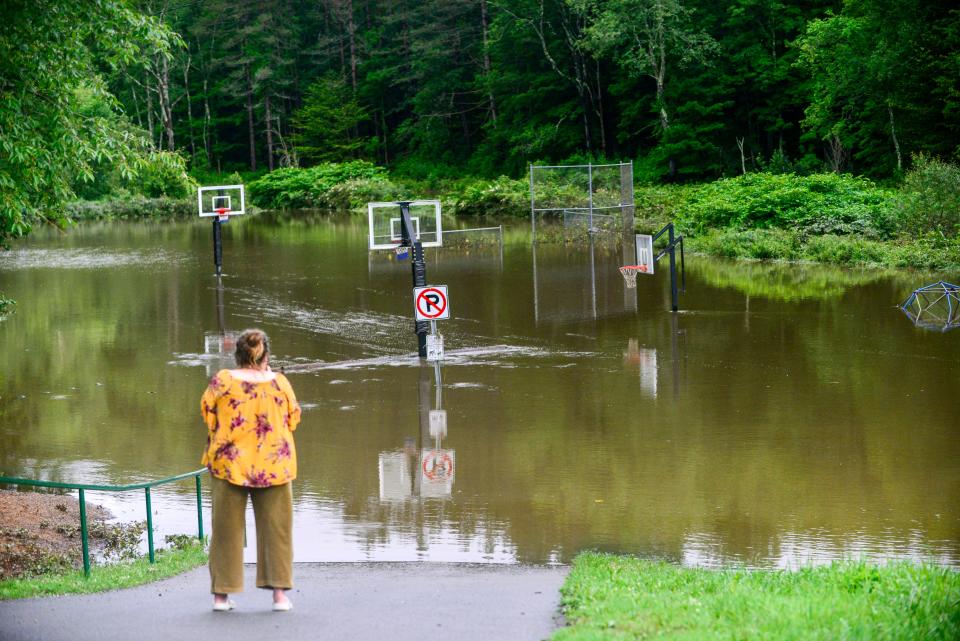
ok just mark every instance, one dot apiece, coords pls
pixel 82 487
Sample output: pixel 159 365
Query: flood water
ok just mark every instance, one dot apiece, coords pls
pixel 787 415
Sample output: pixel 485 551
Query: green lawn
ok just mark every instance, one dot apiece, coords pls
pixel 107 577
pixel 614 597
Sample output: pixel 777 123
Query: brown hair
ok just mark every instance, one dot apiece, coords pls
pixel 253 346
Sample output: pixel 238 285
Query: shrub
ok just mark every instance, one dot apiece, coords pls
pixel 294 188
pixel 132 208
pixel 930 198
pixel 759 244
pixel 163 173
pixel 500 197
pixel 815 204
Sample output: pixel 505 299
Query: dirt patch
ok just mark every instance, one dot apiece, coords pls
pixel 40 533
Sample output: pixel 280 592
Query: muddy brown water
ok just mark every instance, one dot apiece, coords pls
pixel 787 415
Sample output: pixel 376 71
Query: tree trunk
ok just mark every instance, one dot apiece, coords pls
pixel 896 143
pixel 352 30
pixel 486 62
pixel 165 107
pixel 207 146
pixel 603 129
pixel 186 86
pixel 250 130
pixel 146 86
pixel 383 127
pixel 266 107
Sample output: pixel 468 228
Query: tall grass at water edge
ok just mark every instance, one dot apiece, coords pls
pixel 608 597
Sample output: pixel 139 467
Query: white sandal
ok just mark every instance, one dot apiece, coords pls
pixel 283 606
pixel 224 606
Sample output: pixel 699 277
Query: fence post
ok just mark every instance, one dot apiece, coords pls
pixel 199 510
pixel 149 526
pixel 83 534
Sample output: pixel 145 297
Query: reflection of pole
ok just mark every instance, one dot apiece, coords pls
pixel 419 268
pixel 221 324
pixel 590 194
pixel 673 353
pixel 533 213
pixel 536 294
pixel 674 304
pixel 593 279
pixel 217 245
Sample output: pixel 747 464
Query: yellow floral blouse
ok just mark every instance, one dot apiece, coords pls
pixel 250 430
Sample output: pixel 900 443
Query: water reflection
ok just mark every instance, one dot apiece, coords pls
pixel 219 348
pixel 770 422
pixel 422 467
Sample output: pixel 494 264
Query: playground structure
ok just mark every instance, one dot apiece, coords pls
pixel 935 306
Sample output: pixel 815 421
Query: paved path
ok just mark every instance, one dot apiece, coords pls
pixel 332 601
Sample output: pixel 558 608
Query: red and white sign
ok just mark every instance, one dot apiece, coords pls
pixel 431 303
pixel 437 466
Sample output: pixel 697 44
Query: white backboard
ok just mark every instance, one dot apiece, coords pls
pixel 385 224
pixel 645 256
pixel 229 197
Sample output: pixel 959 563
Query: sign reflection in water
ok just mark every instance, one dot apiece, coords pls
pixel 422 467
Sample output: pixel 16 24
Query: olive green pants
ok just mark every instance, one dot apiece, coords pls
pixel 273 513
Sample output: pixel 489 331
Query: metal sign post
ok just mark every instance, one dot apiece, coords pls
pixel 419 268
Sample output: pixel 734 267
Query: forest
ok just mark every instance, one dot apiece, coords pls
pixel 100 98
pixel 691 89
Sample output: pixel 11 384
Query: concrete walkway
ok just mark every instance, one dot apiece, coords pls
pixel 332 601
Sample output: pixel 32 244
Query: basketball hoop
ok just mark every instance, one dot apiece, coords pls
pixel 222 214
pixel 630 272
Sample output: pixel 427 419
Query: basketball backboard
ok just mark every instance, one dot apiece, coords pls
pixel 386 226
pixel 221 200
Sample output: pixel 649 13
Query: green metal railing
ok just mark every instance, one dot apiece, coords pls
pixel 115 488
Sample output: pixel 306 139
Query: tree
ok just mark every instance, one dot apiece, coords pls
pixel 49 51
pixel 327 120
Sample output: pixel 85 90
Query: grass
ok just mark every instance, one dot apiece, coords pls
pixel 169 562
pixel 612 597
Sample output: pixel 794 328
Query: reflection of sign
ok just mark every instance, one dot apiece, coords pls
pixel 395 480
pixel 434 347
pixel 431 303
pixel 645 256
pixel 436 466
pixel 438 423
pixel 645 360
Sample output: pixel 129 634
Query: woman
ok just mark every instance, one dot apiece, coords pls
pixel 251 413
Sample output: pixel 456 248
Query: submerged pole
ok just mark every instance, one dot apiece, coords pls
pixel 217 246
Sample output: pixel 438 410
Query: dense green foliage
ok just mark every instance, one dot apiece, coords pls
pixel 58 122
pixel 609 597
pixel 690 88
pixel 180 557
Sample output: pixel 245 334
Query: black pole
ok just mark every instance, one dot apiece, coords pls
pixel 221 324
pixel 673 271
pixel 419 269
pixel 217 245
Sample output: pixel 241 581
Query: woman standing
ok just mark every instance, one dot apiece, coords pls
pixel 251 413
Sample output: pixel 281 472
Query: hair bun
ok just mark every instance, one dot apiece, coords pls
pixel 253 345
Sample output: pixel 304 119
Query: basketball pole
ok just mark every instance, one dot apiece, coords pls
pixel 418 267
pixel 217 246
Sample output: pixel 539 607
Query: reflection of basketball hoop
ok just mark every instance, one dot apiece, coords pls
pixel 630 272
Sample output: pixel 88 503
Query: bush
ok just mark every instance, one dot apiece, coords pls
pixel 294 188
pixel 816 204
pixel 501 197
pixel 163 173
pixel 756 244
pixel 930 198
pixel 132 208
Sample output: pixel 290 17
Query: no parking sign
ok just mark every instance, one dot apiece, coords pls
pixel 431 303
